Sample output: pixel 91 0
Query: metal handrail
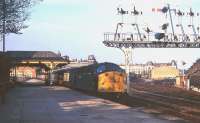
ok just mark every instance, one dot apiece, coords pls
pixel 134 37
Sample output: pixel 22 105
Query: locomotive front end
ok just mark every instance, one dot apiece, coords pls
pixel 111 78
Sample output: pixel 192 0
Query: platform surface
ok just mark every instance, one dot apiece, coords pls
pixel 42 104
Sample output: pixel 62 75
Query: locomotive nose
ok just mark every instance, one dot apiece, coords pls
pixel 111 82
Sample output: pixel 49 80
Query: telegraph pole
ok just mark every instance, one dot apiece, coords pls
pixel 4 24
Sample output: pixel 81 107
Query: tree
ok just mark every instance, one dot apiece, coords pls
pixel 13 14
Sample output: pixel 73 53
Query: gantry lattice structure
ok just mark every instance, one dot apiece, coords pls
pixel 126 41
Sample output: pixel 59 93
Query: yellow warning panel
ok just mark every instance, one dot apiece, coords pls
pixel 111 82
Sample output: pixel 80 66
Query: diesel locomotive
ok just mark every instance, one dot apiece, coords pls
pixel 98 77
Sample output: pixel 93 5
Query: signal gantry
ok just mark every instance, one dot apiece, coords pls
pixel 127 41
pixel 150 39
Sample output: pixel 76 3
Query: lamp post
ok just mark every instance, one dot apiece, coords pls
pixel 183 72
pixel 128 60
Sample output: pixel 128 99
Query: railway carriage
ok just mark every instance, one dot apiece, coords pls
pixel 102 77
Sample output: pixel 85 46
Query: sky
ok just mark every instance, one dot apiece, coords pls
pixel 76 27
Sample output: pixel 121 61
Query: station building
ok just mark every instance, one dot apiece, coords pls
pixel 34 64
pixel 155 71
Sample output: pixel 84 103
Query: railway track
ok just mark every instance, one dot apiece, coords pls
pixel 184 108
pixel 180 107
pixel 167 97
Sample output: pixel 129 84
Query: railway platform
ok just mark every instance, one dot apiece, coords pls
pixel 44 104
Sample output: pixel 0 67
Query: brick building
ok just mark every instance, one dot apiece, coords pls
pixel 164 72
pixel 193 74
pixel 155 71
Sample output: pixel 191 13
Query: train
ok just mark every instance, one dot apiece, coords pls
pixel 98 77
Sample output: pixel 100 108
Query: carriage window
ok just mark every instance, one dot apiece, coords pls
pixel 101 68
pixel 66 77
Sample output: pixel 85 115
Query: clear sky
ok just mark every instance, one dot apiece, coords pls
pixel 76 28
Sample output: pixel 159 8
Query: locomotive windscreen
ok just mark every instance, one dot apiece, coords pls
pixel 109 67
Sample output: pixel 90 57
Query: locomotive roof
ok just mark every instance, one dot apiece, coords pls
pixel 88 65
pixel 73 66
pixel 70 67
